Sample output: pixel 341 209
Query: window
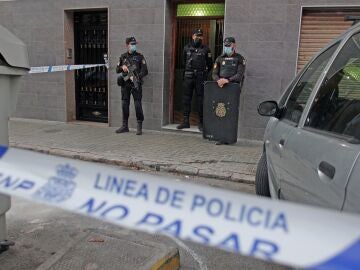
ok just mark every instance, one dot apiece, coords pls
pixel 200 9
pixel 336 107
pixel 302 90
pixel 2 61
pixel 288 90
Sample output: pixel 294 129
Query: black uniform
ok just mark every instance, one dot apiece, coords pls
pixel 128 88
pixel 197 62
pixel 231 68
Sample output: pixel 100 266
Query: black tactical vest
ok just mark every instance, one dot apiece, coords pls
pixel 195 58
pixel 229 66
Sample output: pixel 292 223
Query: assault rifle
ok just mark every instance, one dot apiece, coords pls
pixel 132 74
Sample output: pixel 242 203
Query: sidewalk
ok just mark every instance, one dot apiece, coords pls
pixel 179 152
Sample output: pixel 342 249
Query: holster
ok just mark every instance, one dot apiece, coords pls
pixel 120 80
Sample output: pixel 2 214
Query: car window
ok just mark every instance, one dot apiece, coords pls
pixel 336 107
pixel 299 96
pixel 284 98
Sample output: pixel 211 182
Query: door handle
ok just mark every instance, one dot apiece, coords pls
pixel 282 142
pixel 327 169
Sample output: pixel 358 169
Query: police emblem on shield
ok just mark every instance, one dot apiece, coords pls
pixel 221 109
pixel 60 187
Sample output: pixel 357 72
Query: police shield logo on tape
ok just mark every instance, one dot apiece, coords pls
pixel 60 187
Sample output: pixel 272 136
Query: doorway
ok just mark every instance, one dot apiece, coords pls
pixel 91 86
pixel 210 18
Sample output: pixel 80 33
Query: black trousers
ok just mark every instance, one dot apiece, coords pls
pixel 190 84
pixel 126 91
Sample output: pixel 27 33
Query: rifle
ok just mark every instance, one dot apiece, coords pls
pixel 132 74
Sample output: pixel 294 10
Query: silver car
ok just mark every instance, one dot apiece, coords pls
pixel 312 141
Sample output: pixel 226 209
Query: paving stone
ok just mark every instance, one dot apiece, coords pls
pixel 188 170
pixel 243 178
pixel 215 174
pixel 164 151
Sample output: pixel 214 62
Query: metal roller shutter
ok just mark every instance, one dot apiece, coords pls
pixel 318 28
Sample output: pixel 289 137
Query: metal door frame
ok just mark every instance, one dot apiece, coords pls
pixel 93 10
pixel 174 36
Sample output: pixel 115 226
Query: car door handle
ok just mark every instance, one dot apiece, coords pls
pixel 327 169
pixel 282 142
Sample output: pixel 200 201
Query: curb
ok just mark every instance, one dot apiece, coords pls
pixel 182 169
pixel 91 249
pixel 171 261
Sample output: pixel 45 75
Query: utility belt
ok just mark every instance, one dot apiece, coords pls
pixel 190 74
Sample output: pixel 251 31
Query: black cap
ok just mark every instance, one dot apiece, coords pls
pixel 131 40
pixel 228 41
pixel 198 32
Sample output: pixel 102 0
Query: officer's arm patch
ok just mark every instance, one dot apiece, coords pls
pixel 209 54
pixel 244 61
pixel 215 65
pixel 143 61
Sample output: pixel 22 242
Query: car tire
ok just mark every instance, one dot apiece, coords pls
pixel 262 178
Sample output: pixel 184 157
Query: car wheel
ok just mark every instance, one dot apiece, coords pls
pixel 262 178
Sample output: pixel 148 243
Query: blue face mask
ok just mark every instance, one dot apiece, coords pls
pixel 132 48
pixel 228 51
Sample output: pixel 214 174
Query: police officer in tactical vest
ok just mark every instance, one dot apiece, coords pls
pixel 132 68
pixel 229 67
pixel 198 62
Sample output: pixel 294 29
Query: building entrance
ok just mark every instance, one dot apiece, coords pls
pixel 210 18
pixel 91 87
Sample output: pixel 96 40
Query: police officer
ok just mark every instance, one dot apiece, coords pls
pixel 132 68
pixel 229 67
pixel 198 62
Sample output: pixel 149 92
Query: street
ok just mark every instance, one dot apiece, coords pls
pixel 41 232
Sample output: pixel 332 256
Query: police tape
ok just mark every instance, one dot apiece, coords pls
pixel 50 69
pixel 280 232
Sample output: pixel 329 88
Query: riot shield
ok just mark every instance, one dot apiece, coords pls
pixel 221 112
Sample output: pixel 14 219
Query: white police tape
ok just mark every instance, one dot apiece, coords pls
pixel 285 233
pixel 49 69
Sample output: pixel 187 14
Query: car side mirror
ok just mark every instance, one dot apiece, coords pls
pixel 269 108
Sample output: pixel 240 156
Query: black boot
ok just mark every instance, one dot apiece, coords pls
pixel 184 124
pixel 123 128
pixel 139 128
pixel 221 143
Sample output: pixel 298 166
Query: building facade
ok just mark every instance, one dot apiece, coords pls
pixel 276 37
